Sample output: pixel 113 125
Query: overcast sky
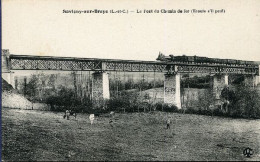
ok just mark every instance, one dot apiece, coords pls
pixel 39 27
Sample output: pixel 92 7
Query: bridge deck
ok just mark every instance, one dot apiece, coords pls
pixel 30 62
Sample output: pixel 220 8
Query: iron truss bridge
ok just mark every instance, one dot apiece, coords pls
pixel 28 62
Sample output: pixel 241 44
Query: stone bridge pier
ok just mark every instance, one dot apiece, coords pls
pixel 258 76
pixel 172 83
pixel 219 81
pixel 172 92
pixel 250 80
pixel 7 75
pixel 100 88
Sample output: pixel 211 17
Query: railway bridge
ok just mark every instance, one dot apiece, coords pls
pixel 172 69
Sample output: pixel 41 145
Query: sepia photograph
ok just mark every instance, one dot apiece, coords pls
pixel 124 80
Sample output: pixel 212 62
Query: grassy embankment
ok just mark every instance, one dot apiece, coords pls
pixel 42 135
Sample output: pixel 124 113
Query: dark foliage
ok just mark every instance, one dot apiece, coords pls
pixel 6 86
pixel 165 107
pixel 238 102
pixel 247 103
pixel 196 82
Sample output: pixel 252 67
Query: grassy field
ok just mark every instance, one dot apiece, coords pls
pixel 41 135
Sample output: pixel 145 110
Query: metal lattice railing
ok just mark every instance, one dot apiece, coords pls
pixel 23 62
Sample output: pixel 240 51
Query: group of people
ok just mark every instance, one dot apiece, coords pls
pixel 69 113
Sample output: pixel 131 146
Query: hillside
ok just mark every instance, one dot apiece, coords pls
pixel 6 86
pixel 11 99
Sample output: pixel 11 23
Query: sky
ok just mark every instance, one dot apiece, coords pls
pixel 39 27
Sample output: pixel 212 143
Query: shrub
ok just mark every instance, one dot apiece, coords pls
pixel 166 107
pixel 247 103
pixel 218 112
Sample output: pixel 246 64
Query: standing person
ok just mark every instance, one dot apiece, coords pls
pixel 68 114
pixel 91 118
pixel 168 123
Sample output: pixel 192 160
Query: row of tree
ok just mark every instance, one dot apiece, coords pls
pixel 239 101
pixel 39 87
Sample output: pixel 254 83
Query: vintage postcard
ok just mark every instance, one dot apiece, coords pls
pixel 147 80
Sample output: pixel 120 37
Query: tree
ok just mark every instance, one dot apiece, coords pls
pixel 51 82
pixel 229 97
pixel 30 88
pixel 247 102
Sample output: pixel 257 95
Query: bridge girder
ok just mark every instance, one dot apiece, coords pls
pixel 24 62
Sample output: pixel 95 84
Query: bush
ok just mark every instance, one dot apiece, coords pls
pixel 218 112
pixel 65 99
pixel 166 107
pixel 243 102
pixel 247 103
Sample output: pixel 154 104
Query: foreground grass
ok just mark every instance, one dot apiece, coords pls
pixel 40 135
